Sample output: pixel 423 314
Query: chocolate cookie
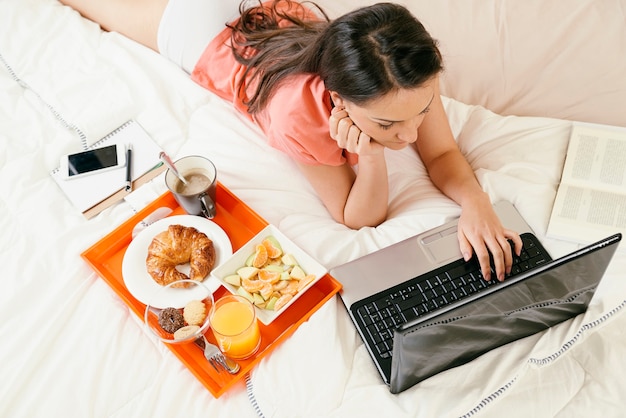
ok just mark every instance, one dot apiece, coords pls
pixel 170 319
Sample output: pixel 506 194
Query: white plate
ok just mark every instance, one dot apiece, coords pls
pixel 136 278
pixel 230 266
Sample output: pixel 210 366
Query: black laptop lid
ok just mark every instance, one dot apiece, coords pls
pixel 554 293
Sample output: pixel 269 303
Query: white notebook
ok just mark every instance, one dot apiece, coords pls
pixel 86 192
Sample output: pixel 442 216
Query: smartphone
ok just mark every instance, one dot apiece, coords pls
pixel 93 161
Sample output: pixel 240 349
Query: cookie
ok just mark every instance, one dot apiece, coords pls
pixel 185 332
pixel 171 320
pixel 195 312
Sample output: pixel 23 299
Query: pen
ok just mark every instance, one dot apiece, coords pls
pixel 129 167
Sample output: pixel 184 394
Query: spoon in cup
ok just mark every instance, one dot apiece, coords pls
pixel 170 164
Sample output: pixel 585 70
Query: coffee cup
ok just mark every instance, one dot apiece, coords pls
pixel 197 197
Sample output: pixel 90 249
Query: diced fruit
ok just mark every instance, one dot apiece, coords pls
pixel 241 291
pixel 269 276
pixel 260 256
pixel 233 279
pixel 252 285
pixel 304 282
pixel 270 303
pixel 291 288
pixel 274 250
pixel 247 272
pixel 257 299
pixel 274 242
pixel 266 291
pixel 280 285
pixel 289 260
pixel 282 301
pixel 274 267
pixel 297 273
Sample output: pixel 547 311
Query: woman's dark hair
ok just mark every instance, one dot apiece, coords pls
pixel 362 55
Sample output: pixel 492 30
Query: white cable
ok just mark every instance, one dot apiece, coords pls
pixel 57 115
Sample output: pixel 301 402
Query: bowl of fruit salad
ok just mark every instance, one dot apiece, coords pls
pixel 271 271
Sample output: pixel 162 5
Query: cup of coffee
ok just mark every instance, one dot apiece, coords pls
pixel 197 196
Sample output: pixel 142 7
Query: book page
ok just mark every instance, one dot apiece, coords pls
pixel 596 158
pixel 591 200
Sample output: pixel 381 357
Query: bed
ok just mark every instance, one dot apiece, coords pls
pixel 517 75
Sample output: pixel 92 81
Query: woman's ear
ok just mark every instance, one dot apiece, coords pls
pixel 336 98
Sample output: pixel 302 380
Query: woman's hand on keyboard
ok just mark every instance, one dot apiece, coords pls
pixel 480 232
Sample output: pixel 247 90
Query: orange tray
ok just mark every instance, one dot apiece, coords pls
pixel 241 223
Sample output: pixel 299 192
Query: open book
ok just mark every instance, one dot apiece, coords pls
pixel 590 203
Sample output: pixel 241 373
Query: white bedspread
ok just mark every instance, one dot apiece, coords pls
pixel 72 347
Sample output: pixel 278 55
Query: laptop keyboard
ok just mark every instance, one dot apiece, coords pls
pixel 384 312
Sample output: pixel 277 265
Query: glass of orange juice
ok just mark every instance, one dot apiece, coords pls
pixel 234 324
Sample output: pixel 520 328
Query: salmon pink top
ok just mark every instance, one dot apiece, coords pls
pixel 295 119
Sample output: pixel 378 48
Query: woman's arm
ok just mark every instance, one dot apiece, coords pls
pixel 355 200
pixel 480 230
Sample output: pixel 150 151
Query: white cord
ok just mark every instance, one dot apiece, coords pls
pixel 57 115
pixel 548 359
pixel 251 397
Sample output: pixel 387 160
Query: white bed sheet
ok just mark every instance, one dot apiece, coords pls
pixel 67 333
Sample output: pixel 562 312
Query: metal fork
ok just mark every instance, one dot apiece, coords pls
pixel 217 359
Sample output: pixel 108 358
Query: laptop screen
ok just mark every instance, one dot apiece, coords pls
pixel 553 294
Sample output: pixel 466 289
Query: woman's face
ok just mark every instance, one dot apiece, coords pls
pixel 393 120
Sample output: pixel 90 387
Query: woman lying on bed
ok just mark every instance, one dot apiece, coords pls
pixel 327 93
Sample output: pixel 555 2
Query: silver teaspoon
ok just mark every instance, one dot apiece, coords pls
pixel 170 164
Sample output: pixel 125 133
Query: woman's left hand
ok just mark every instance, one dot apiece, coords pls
pixel 481 232
pixel 349 136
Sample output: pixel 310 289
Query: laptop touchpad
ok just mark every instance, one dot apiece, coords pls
pixel 442 246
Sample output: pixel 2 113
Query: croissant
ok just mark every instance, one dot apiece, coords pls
pixel 179 245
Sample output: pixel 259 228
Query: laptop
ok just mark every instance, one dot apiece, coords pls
pixel 420 309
